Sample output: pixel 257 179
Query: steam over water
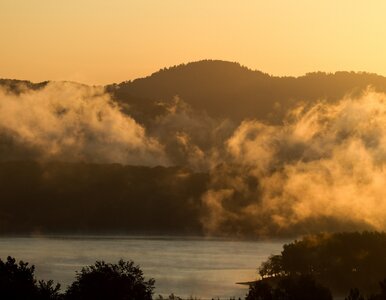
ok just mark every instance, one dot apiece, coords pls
pixel 204 268
pixel 319 168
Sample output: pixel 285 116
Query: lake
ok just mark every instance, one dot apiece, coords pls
pixel 199 267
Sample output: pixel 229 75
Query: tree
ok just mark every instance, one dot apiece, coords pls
pixel 122 281
pixel 48 290
pixel 354 294
pixel 259 290
pixel 382 294
pixel 338 260
pixel 17 281
pixel 288 288
pixel 272 267
pixel 303 287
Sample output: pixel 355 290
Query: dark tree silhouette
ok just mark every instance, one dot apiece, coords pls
pixel 272 267
pixel 339 261
pixel 289 288
pixel 17 281
pixel 49 290
pixel 301 288
pixel 122 281
pixel 260 290
pixel 354 294
pixel 382 294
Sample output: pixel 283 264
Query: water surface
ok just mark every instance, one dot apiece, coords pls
pixel 199 267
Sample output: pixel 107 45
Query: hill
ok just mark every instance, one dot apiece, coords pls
pixel 227 89
pixel 310 170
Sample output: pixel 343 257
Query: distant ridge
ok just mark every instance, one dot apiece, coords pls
pixel 211 66
pixel 229 90
pixel 14 84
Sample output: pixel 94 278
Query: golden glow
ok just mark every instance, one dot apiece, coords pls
pixel 100 41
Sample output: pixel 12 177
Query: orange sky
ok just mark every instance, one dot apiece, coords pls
pixel 104 41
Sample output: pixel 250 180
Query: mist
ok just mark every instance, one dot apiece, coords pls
pixel 320 169
pixel 71 122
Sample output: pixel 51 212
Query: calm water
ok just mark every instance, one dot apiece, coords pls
pixel 184 266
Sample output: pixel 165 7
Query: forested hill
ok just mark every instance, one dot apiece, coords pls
pixel 227 89
pixel 15 85
pixel 227 188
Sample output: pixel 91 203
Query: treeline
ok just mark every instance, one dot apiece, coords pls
pixel 121 281
pixel 228 90
pixel 17 86
pixel 125 281
pixel 217 87
pixel 304 287
pixel 99 198
pixel 338 261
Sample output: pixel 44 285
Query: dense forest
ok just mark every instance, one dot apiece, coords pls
pixel 229 90
pixel 89 198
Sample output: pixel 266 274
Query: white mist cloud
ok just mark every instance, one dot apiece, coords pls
pixel 190 137
pixel 323 169
pixel 72 122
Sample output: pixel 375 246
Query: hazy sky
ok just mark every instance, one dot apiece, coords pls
pixel 104 41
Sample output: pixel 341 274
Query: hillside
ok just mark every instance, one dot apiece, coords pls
pixel 239 133
pixel 227 89
pixel 89 198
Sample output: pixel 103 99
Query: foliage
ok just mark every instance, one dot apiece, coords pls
pixel 289 288
pixel 272 267
pixel 339 260
pixel 48 290
pixel 260 290
pixel 354 294
pixel 111 281
pixel 17 281
pixel 100 281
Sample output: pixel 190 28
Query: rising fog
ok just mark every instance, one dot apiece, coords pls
pixel 320 169
pixel 71 122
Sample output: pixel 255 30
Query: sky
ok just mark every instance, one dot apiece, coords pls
pixel 100 41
